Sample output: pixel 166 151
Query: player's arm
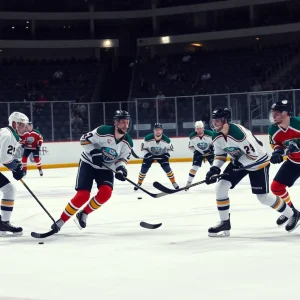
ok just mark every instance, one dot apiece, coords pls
pixel 7 157
pixel 191 146
pixel 277 155
pixel 123 159
pixel 40 140
pixel 88 140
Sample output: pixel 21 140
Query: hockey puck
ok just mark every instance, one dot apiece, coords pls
pixel 139 198
pixel 41 243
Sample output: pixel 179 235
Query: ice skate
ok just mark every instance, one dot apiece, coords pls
pixel 6 229
pixel 188 184
pixel 58 225
pixel 41 172
pixel 175 185
pixel 282 220
pixel 294 221
pixel 136 188
pixel 223 228
pixel 80 219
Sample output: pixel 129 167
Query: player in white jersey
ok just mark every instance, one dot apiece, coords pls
pixel 200 143
pixel 9 142
pixel 105 145
pixel 156 146
pixel 244 149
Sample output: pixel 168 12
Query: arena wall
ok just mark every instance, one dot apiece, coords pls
pixel 67 154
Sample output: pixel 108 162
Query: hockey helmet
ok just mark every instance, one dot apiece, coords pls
pixel 282 105
pixel 199 124
pixel 122 114
pixel 157 125
pixel 222 113
pixel 17 117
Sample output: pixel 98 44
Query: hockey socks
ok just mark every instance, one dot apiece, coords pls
pixel 192 173
pixel 279 190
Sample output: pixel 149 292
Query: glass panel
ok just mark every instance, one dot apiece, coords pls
pixel 61 121
pixel 202 110
pixel 238 104
pixel 146 115
pixel 219 101
pixel 260 104
pixel 79 120
pixel 41 118
pixel 166 115
pixel 23 107
pixel 96 115
pixel 185 115
pixel 110 109
pixel 3 114
pixel 131 108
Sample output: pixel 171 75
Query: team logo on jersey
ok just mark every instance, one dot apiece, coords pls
pixel 155 150
pixel 30 140
pixel 202 145
pixel 233 151
pixel 292 145
pixel 109 154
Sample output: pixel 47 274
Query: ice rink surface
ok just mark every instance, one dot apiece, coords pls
pixel 114 258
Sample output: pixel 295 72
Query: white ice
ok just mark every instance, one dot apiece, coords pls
pixel 114 258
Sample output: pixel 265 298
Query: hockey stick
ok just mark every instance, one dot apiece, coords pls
pixel 35 234
pixel 164 189
pixel 139 187
pixel 136 156
pixel 150 226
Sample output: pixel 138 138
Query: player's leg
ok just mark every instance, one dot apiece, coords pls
pixel 285 177
pixel 146 164
pixel 36 157
pixel 25 155
pixel 164 163
pixel 105 182
pixel 197 162
pixel 210 158
pixel 84 183
pixel 7 205
pixel 259 181
pixel 223 202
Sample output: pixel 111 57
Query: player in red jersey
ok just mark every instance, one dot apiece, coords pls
pixel 284 136
pixel 31 141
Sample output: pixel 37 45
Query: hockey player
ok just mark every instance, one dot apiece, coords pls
pixel 201 145
pixel 284 136
pixel 244 149
pixel 31 141
pixel 156 146
pixel 9 141
pixel 105 145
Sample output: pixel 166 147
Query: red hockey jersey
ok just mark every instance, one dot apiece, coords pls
pixel 31 139
pixel 280 138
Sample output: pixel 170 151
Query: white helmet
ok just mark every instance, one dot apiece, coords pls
pixel 18 118
pixel 199 124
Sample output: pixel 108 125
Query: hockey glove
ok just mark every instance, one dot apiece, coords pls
pixel 277 157
pixel 97 157
pixel 236 164
pixel 121 173
pixel 148 156
pixel 166 155
pixel 18 172
pixel 211 175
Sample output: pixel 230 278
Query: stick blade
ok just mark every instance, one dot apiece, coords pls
pixel 150 226
pixel 163 188
pixel 43 235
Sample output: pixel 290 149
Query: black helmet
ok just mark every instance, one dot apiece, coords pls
pixel 222 113
pixel 282 105
pixel 122 114
pixel 157 125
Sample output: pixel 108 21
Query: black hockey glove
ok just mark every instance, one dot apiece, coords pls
pixel 18 172
pixel 166 155
pixel 97 157
pixel 148 156
pixel 121 173
pixel 23 146
pixel 277 157
pixel 236 164
pixel 38 148
pixel 211 175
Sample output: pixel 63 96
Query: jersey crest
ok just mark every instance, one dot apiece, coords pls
pixel 156 150
pixel 109 154
pixel 30 139
pixel 202 145
pixel 234 152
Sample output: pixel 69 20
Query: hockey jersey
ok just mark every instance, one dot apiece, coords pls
pixel 9 142
pixel 115 152
pixel 31 140
pixel 240 144
pixel 156 147
pixel 282 138
pixel 201 144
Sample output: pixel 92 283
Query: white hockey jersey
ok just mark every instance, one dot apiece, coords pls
pixel 201 144
pixel 9 142
pixel 115 152
pixel 156 148
pixel 239 144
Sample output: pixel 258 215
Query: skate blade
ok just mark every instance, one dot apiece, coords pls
pixel 224 233
pixel 294 227
pixel 77 223
pixel 10 234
